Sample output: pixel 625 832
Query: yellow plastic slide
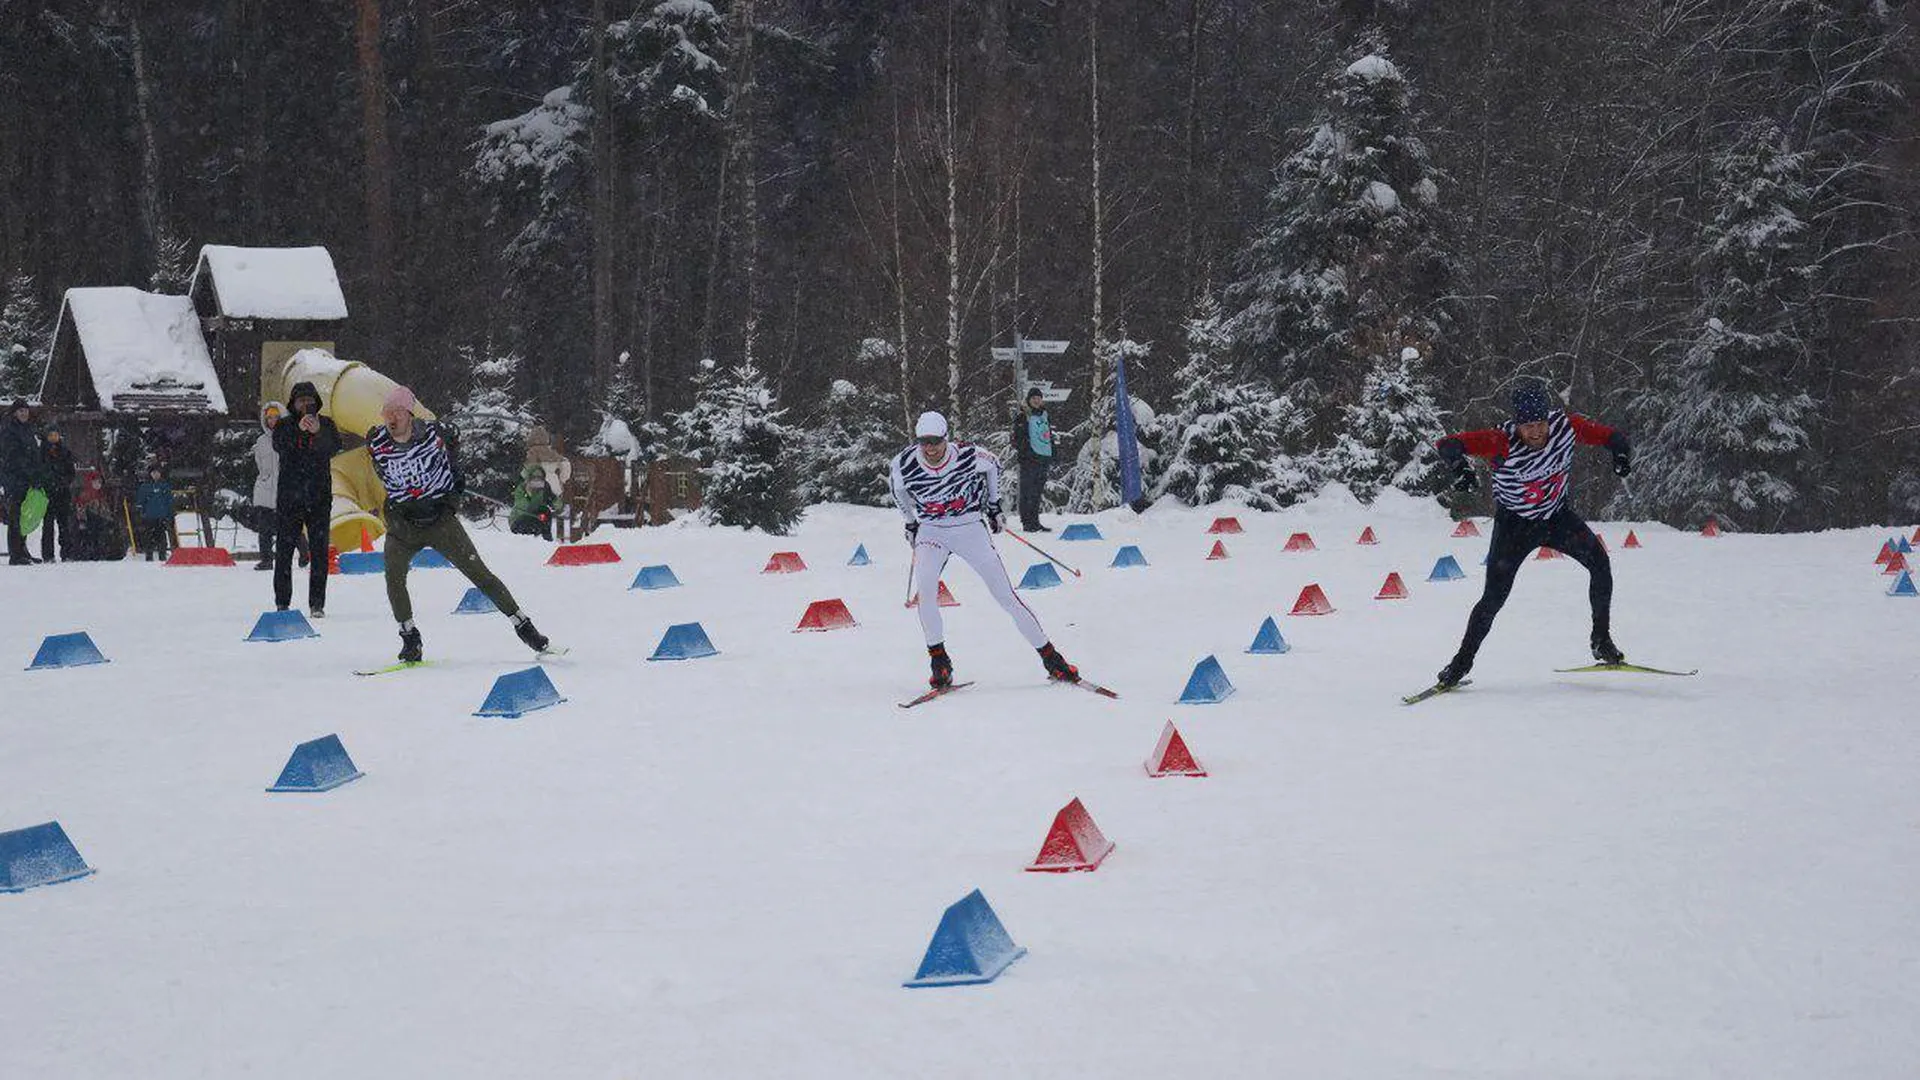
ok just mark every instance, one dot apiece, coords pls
pixel 351 393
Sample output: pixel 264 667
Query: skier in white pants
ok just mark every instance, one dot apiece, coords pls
pixel 950 496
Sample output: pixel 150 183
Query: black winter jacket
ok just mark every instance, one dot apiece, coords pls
pixel 306 478
pixel 59 465
pixel 21 466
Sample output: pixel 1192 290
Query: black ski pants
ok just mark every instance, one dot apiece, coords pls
pixel 58 523
pixel 1033 483
pixel 293 522
pixel 1515 539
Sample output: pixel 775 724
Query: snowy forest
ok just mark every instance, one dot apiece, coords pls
pixel 765 233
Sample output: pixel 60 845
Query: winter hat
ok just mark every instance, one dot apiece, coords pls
pixel 399 398
pixel 1531 403
pixel 1034 392
pixel 18 403
pixel 930 424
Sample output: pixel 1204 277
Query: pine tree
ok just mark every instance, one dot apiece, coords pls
pixel 1389 435
pixel 491 423
pixel 1229 439
pixel 1725 431
pixel 1348 267
pixel 694 428
pixel 853 434
pixel 24 336
pixel 750 479
pixel 624 431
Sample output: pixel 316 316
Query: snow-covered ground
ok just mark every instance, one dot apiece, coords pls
pixel 726 867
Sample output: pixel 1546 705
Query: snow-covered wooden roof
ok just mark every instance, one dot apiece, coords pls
pixel 143 351
pixel 268 283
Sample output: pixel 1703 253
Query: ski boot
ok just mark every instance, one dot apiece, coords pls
pixel 524 628
pixel 1455 671
pixel 942 677
pixel 1605 651
pixel 1057 666
pixel 411 648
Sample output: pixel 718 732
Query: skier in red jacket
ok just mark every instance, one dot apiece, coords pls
pixel 1532 458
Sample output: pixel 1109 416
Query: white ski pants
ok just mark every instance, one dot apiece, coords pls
pixel 973 542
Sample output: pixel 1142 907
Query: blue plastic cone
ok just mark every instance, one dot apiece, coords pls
pixel 1902 545
pixel 520 692
pixel 281 626
pixel 475 602
pixel 1081 531
pixel 654 577
pixel 1040 575
pixel 969 947
pixel 428 559
pixel 363 562
pixel 1128 556
pixel 66 650
pixel 684 641
pixel 1208 685
pixel 1267 641
pixel 1446 569
pixel 859 557
pixel 39 855
pixel 1903 585
pixel 320 765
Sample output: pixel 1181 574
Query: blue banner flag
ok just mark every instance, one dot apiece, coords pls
pixel 1124 427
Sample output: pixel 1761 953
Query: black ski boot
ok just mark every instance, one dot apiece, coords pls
pixel 1455 670
pixel 1605 651
pixel 1057 666
pixel 533 638
pixel 942 676
pixel 411 650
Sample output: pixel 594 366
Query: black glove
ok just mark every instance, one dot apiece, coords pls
pixel 993 518
pixel 1622 463
pixel 913 532
pixel 1464 478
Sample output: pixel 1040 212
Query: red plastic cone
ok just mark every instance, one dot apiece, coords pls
pixel 366 541
pixel 1074 842
pixel 1367 537
pixel 1632 540
pixel 1547 553
pixel 1232 525
pixel 1393 588
pixel 1300 542
pixel 583 555
pixel 1916 534
pixel 945 596
pixel 1712 528
pixel 200 556
pixel 784 562
pixel 1219 551
pixel 1313 601
pixel 826 615
pixel 1895 564
pixel 1171 756
pixel 1466 528
pixel 333 559
pixel 1887 551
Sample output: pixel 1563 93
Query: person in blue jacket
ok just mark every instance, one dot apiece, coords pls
pixel 153 507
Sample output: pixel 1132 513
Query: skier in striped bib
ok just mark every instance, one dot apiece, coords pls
pixel 423 484
pixel 1532 459
pixel 949 493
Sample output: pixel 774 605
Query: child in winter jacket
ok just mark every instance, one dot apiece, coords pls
pixel 153 507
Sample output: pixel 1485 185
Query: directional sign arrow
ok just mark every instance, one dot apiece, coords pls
pixel 1043 346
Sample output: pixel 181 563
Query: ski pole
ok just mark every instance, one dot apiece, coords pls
pixel 911 564
pixel 1043 554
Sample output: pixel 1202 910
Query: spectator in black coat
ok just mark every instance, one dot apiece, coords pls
pixel 303 503
pixel 21 470
pixel 58 459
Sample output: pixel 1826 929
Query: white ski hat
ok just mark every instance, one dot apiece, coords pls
pixel 931 423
